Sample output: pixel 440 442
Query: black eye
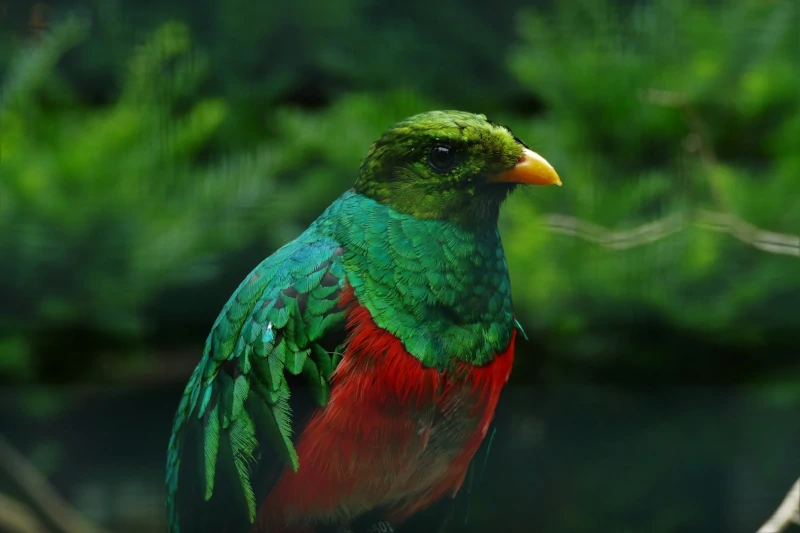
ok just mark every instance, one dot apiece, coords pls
pixel 442 158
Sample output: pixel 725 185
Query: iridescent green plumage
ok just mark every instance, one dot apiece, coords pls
pixel 408 272
pixel 270 327
pixel 416 240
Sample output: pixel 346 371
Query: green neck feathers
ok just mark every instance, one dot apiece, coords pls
pixel 408 272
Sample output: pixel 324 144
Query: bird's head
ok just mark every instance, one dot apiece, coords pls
pixel 450 165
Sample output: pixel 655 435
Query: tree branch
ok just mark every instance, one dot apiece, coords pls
pixel 788 512
pixel 18 518
pixel 41 494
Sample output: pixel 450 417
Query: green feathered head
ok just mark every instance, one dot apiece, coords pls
pixel 450 165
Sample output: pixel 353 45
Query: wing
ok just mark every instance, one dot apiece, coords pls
pixel 276 337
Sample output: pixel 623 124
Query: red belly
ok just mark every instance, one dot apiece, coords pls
pixel 394 435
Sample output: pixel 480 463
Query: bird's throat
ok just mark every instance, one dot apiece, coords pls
pixel 439 287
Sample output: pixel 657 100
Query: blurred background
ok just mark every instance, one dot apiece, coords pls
pixel 153 152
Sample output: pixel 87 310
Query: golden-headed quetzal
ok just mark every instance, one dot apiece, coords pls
pixel 354 372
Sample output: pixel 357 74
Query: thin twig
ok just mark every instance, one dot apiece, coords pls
pixel 41 494
pixel 767 241
pixel 788 512
pixel 16 517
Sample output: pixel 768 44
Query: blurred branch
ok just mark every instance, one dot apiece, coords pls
pixel 767 241
pixel 788 512
pixel 18 518
pixel 663 98
pixel 41 494
pixel 698 141
pixel 39 18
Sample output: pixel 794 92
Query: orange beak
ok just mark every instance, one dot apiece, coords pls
pixel 532 169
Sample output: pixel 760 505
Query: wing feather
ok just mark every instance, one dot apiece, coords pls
pixel 236 410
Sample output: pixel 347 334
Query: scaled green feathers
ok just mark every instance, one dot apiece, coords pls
pixel 408 272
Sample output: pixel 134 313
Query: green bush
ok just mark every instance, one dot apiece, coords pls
pixel 662 111
pixel 102 207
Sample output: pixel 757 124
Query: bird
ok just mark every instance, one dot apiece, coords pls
pixel 353 375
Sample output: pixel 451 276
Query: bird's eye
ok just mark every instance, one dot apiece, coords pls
pixel 442 158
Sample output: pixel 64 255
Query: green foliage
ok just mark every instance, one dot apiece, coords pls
pixel 101 207
pixel 655 112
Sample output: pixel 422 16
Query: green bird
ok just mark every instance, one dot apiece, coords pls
pixel 353 374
